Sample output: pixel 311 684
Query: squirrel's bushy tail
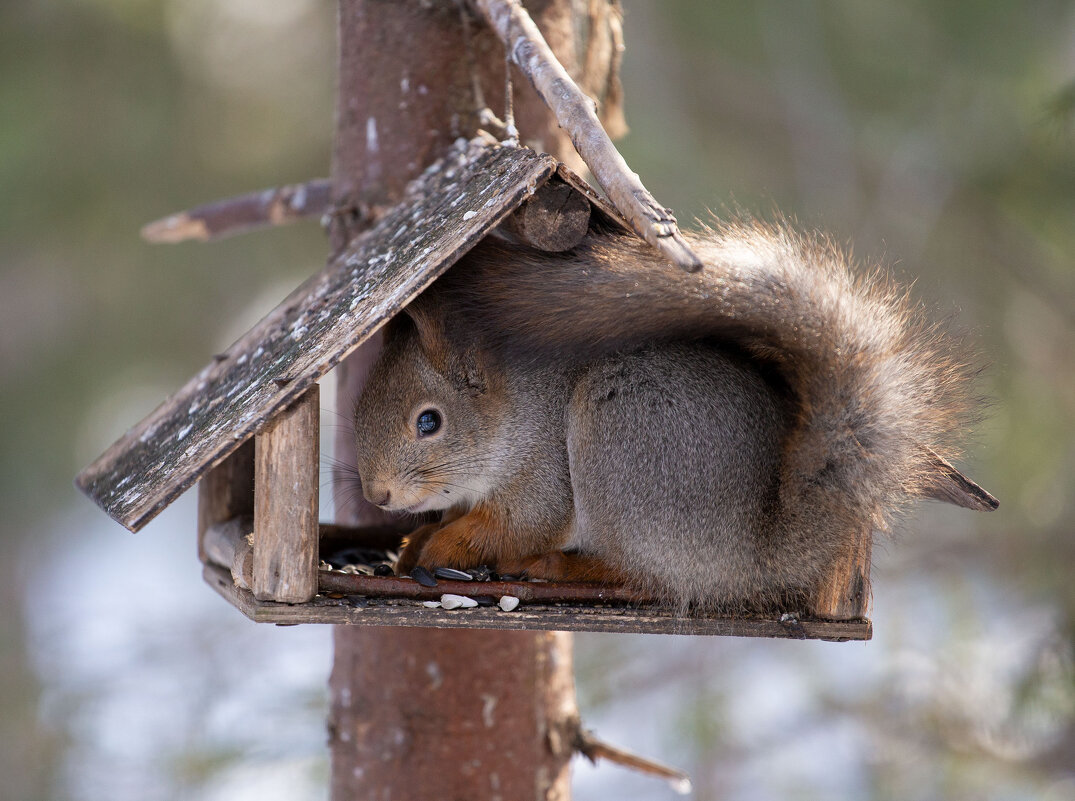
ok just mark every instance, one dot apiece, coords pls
pixel 881 398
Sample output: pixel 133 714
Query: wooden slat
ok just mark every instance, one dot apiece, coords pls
pixel 286 461
pixel 226 492
pixel 446 211
pixel 845 593
pixel 530 616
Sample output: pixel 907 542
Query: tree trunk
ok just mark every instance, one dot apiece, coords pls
pixel 428 713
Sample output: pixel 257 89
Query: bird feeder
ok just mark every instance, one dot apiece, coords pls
pixel 246 430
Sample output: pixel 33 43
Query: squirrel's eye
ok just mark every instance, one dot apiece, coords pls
pixel 428 422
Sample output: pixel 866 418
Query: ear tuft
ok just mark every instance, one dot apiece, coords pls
pixel 428 317
pixel 468 373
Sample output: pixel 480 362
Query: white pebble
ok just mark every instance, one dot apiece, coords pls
pixel 508 602
pixel 449 601
pixel 431 604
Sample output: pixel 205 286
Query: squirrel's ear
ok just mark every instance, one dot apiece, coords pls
pixel 461 362
pixel 428 317
pixel 395 328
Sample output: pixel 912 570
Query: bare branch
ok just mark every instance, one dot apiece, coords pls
pixel 243 213
pixel 604 53
pixel 576 114
pixel 594 749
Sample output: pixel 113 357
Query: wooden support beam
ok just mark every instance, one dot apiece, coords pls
pixel 226 492
pixel 228 546
pixel 555 219
pixel 845 592
pixel 286 457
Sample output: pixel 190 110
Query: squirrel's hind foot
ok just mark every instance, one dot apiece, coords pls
pixel 561 566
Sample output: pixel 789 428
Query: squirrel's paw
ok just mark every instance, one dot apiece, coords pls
pixel 560 566
pixel 413 544
pixel 465 542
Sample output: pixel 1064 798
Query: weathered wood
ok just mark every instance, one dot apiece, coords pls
pixel 383 536
pixel 951 486
pixel 594 749
pixel 226 492
pixel 459 743
pixel 235 215
pixel 445 212
pixel 555 219
pixel 845 592
pixel 575 111
pixel 228 545
pixel 542 592
pixel 406 92
pixel 604 211
pixel 286 484
pixel 358 610
pixel 604 54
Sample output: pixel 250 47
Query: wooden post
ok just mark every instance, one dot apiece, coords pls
pixel 410 709
pixel 452 713
pixel 226 492
pixel 845 592
pixel 286 463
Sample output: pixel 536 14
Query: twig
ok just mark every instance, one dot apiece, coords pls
pixel 238 214
pixel 575 113
pixel 594 749
pixel 526 591
pixel 604 54
pixel 486 117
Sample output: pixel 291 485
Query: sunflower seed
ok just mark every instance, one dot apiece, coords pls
pixel 449 601
pixel 423 577
pixel 452 573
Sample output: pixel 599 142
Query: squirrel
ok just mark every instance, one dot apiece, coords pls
pixel 711 439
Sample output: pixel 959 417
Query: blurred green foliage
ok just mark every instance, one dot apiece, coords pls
pixel 938 137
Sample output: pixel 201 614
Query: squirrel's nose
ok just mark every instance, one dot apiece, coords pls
pixel 377 494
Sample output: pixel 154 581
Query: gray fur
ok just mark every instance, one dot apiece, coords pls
pixel 717 437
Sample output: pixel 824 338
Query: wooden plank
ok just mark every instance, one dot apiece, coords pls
pixel 286 483
pixel 543 617
pixel 226 492
pixel 446 211
pixel 845 593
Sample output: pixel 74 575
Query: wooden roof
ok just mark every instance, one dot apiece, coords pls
pixel 445 212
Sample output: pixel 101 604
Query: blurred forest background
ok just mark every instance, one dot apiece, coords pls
pixel 937 137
